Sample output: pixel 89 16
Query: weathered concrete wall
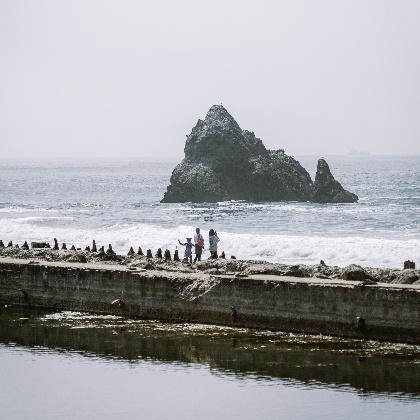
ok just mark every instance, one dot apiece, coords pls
pixel 336 307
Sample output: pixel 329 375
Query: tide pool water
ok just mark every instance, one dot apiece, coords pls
pixel 72 365
pixel 119 203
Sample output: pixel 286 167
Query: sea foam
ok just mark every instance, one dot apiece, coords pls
pixel 284 248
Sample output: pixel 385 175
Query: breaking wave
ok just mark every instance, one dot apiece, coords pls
pixel 286 248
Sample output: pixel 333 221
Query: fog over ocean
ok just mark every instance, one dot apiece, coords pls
pixel 118 202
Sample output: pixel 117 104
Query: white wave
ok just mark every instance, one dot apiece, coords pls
pixel 41 219
pixel 18 209
pixel 88 205
pixel 372 251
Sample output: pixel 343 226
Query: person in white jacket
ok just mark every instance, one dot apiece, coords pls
pixel 213 240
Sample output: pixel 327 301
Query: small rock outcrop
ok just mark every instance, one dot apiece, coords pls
pixel 406 277
pixel 77 258
pixel 224 162
pixel 327 190
pixel 354 272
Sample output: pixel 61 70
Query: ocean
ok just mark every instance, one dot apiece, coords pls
pixel 118 202
pixel 68 365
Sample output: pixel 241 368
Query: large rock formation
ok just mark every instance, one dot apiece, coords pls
pixel 224 162
pixel 327 189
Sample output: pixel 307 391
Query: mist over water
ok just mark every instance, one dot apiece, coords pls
pixel 119 203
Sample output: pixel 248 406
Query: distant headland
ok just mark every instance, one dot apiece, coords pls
pixel 223 162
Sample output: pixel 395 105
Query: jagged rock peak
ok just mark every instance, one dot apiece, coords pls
pixel 217 121
pixel 327 190
pixel 219 137
pixel 219 116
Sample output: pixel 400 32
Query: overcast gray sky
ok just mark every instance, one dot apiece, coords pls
pixel 83 78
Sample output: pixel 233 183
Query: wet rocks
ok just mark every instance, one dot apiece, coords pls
pixel 140 251
pixel 224 162
pixel 130 252
pixel 406 277
pixel 77 257
pixel 220 266
pixel 64 246
pixel 55 247
pixel 1 244
pixel 299 270
pixel 10 244
pixel 354 272
pixel 94 249
pixel 327 190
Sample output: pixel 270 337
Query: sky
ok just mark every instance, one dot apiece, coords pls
pixel 117 79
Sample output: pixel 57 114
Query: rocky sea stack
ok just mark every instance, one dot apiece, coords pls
pixel 224 162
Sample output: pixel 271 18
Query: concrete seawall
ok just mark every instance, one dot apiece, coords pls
pixel 336 307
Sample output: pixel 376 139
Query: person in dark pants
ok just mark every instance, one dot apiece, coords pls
pixel 213 240
pixel 198 245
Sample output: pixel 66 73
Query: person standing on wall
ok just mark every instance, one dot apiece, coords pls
pixel 199 245
pixel 213 240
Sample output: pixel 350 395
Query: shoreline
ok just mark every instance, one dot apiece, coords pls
pixel 221 292
pixel 148 260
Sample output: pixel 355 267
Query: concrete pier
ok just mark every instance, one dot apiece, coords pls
pixel 317 306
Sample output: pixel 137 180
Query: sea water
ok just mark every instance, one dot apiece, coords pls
pixel 72 365
pixel 118 202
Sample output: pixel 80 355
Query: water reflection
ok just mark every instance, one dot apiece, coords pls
pixel 369 367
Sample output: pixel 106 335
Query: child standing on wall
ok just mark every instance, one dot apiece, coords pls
pixel 188 250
